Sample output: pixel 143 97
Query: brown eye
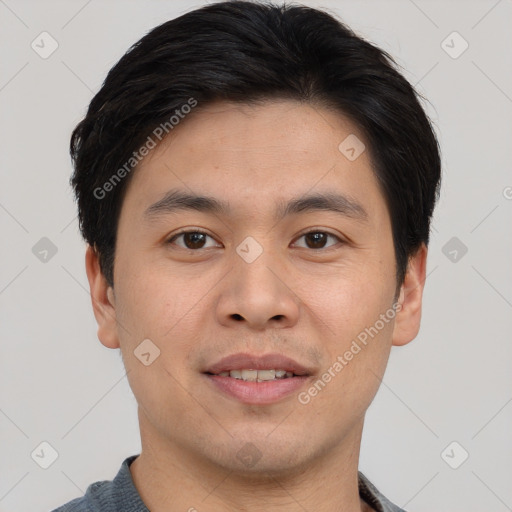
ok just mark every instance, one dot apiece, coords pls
pixel 318 239
pixel 192 240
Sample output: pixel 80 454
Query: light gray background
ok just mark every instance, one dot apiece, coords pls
pixel 453 383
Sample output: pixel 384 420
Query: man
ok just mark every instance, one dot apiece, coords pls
pixel 255 183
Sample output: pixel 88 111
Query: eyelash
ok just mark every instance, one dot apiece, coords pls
pixel 196 230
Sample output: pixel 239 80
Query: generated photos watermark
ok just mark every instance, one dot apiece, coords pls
pixel 341 361
pixel 137 156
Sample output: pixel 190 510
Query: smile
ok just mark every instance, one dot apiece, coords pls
pixel 257 375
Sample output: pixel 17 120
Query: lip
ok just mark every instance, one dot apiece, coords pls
pixel 257 393
pixel 243 360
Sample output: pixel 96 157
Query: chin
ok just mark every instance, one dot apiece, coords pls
pixel 260 456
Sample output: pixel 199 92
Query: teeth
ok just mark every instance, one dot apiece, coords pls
pixel 250 375
pixel 266 375
pixel 257 375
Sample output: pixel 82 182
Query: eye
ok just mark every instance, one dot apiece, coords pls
pixel 195 239
pixel 318 239
pixel 192 240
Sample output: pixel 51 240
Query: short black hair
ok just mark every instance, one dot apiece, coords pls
pixel 247 51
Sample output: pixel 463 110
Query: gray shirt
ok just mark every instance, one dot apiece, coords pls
pixel 121 495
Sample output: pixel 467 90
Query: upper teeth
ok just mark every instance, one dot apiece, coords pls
pixel 257 375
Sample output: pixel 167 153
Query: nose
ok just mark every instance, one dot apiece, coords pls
pixel 258 295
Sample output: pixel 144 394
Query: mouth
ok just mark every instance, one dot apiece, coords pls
pixel 257 380
pixel 251 375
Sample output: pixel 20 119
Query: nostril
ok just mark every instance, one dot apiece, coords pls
pixel 236 316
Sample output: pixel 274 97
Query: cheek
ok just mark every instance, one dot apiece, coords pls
pixel 155 307
pixel 357 340
pixel 350 302
pixel 169 311
pixel 358 344
pixel 157 303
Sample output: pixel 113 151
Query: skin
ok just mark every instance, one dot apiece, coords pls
pixel 306 302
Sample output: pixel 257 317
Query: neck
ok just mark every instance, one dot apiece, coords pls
pixel 172 478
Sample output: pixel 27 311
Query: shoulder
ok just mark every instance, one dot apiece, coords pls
pixel 371 495
pixel 108 495
pixel 97 497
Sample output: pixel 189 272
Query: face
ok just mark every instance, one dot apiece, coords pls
pixel 268 272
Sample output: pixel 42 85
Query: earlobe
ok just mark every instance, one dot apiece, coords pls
pixel 103 300
pixel 408 317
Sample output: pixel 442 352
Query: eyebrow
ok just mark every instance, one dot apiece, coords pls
pixel 180 200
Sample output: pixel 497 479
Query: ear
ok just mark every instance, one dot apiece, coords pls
pixel 103 300
pixel 408 317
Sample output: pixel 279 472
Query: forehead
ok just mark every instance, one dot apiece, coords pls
pixel 249 156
